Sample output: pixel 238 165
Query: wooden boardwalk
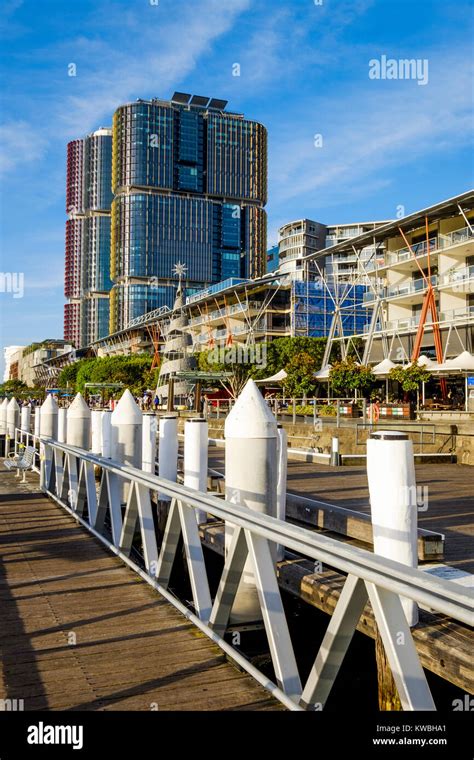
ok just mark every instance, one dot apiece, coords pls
pixel 81 631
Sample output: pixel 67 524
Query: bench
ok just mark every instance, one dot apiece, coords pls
pixel 23 461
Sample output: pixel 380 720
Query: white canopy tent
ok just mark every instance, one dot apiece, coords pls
pixel 323 373
pixel 277 378
pixel 382 370
pixel 463 364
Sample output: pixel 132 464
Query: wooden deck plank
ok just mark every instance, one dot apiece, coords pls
pixel 133 648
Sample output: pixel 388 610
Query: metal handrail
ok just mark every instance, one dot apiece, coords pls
pixel 443 595
pixel 384 579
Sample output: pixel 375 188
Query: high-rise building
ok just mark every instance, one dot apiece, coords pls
pixel 190 185
pixel 273 258
pixel 87 260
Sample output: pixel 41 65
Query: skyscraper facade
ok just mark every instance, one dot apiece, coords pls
pixel 190 184
pixel 87 260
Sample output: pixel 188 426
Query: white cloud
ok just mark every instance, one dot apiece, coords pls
pixel 170 47
pixel 149 62
pixel 370 130
pixel 20 143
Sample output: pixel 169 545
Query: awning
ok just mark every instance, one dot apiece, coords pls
pixel 464 362
pixel 383 368
pixel 277 378
pixel 323 373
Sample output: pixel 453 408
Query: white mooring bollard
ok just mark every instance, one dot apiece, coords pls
pixel 127 431
pixel 282 454
pixel 25 419
pixel 126 435
pixel 13 417
pixel 37 421
pixel 335 456
pixel 393 502
pixel 79 424
pixel 62 425
pixel 168 451
pixel 3 416
pixel 106 434
pixel 96 432
pixel 196 443
pixel 149 442
pixel 251 475
pixel 49 419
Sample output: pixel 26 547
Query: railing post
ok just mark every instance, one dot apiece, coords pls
pixel 294 411
pixel 338 414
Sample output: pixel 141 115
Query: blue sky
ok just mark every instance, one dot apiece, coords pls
pixel 303 71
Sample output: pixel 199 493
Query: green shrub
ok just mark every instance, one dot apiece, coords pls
pixel 328 410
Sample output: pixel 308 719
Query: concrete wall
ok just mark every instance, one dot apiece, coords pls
pixel 301 436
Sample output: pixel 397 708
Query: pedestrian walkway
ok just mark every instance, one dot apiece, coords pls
pixel 81 631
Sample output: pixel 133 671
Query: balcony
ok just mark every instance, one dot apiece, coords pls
pixel 370 296
pixel 409 287
pixel 458 279
pixel 415 251
pixel 220 314
pixel 410 324
pixel 463 314
pixel 462 237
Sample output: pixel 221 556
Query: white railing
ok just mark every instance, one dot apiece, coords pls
pixel 410 286
pixel 149 316
pixel 456 275
pixel 414 251
pixel 225 312
pixel 456 237
pixel 465 313
pixel 67 476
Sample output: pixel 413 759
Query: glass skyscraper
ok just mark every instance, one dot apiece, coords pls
pixel 189 181
pixel 87 260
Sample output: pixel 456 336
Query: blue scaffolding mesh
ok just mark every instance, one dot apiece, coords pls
pixel 314 304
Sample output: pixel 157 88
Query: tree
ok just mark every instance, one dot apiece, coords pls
pixel 410 377
pixel 300 375
pixel 281 351
pixel 132 371
pixel 347 376
pixel 12 387
pixel 237 371
pixel 68 375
